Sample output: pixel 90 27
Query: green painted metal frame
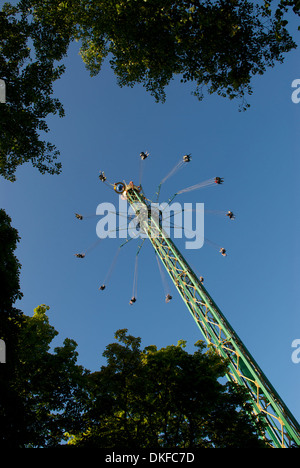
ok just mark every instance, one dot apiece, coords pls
pixel 282 430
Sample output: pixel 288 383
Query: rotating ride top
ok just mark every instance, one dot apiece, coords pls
pixel 281 428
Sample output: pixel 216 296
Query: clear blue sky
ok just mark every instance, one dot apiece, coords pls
pixel 105 128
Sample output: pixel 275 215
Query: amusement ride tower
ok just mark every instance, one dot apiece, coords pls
pixel 281 428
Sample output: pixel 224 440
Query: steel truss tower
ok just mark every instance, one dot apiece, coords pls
pixel 282 430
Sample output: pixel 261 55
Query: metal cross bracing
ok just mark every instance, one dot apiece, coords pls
pixel 282 430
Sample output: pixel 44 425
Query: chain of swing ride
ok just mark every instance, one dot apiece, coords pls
pixel 120 188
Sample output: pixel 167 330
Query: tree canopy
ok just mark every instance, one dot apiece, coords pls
pixel 164 398
pixel 29 72
pixel 9 264
pixel 216 45
pixel 42 391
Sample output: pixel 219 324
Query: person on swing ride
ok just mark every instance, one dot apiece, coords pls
pixel 144 155
pixel 168 298
pixel 187 158
pixel 78 216
pixel 133 187
pixel 78 255
pixel 102 176
pixel 132 300
pixel 230 215
pixel 219 180
pixel 102 287
pixel 223 252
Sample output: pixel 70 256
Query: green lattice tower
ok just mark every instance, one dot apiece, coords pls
pixel 282 430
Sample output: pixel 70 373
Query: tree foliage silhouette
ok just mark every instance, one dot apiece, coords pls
pixel 155 398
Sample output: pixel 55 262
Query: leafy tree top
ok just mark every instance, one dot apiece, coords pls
pixel 216 45
pixel 151 398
